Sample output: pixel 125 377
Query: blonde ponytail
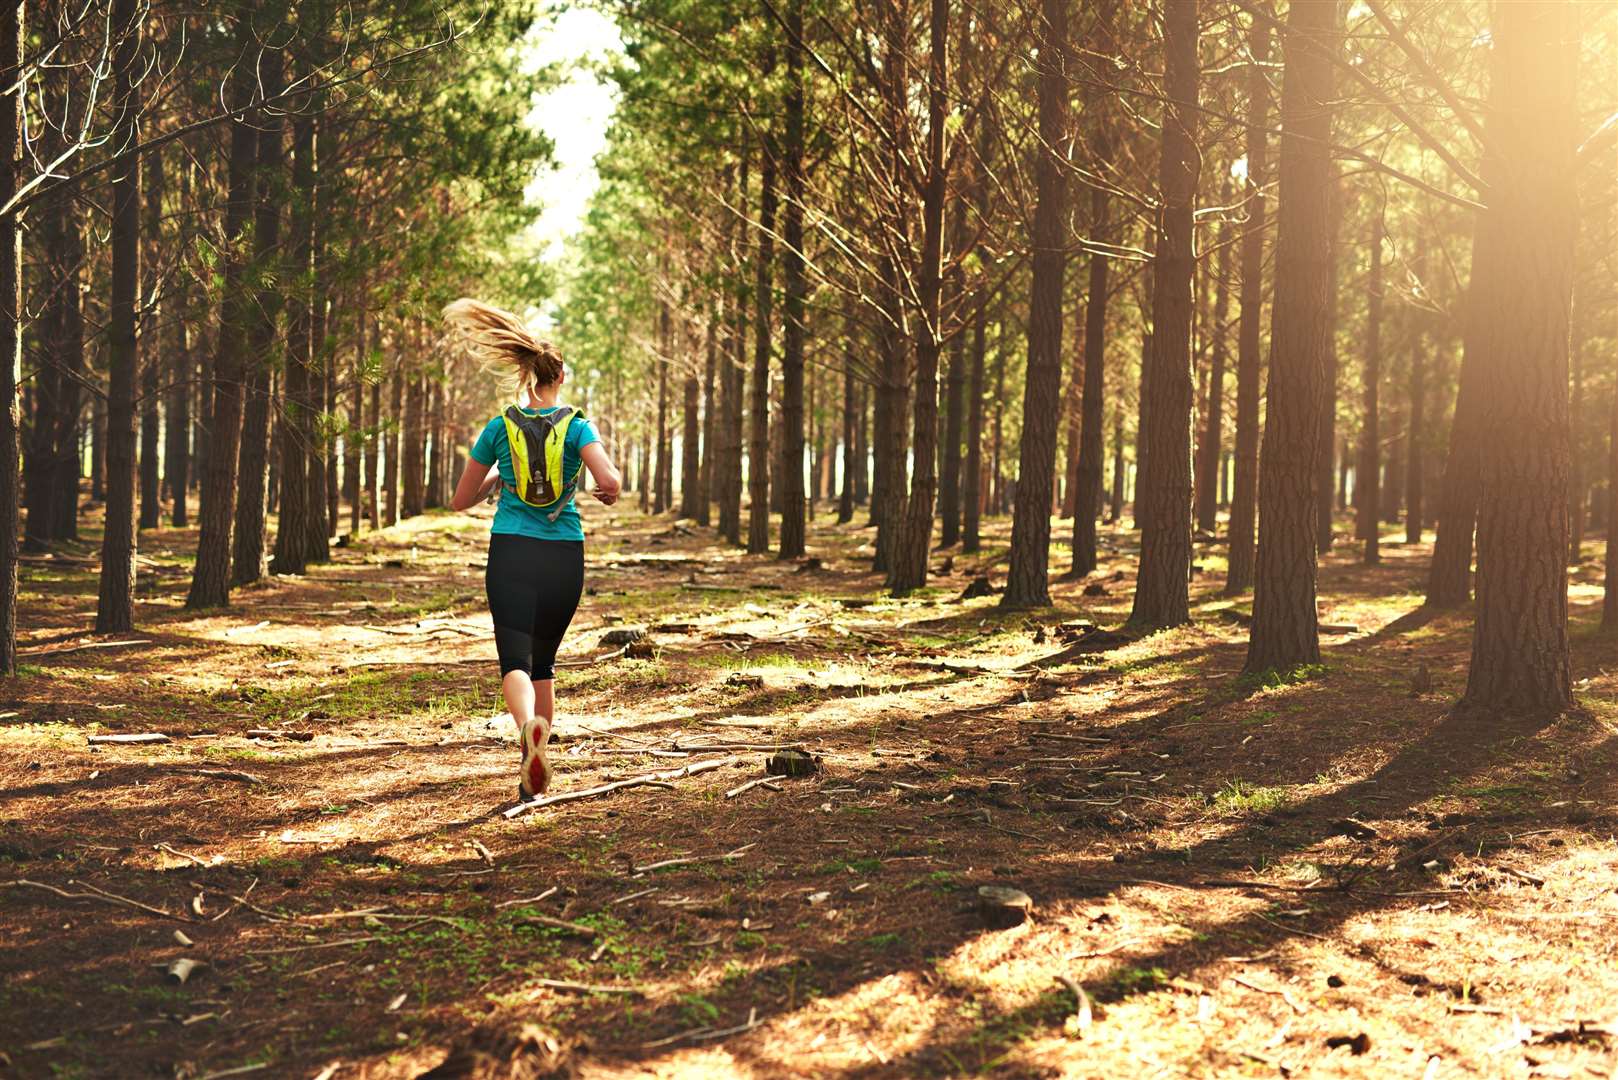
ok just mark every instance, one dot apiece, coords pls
pixel 502 341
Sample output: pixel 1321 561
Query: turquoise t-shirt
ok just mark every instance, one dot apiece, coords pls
pixel 516 517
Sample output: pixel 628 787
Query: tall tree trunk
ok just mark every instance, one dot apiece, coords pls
pixel 972 486
pixel 845 505
pixel 1115 501
pixel 949 458
pixel 177 405
pixel 794 299
pixel 434 492
pixel 758 449
pixel 354 430
pixel 216 515
pixel 151 489
pixel 1213 434
pixel 690 446
pixel 909 570
pixel 1027 579
pixel 296 432
pixel 1286 630
pixel 710 402
pixel 1367 487
pixel 1609 591
pixel 660 502
pixel 1249 358
pixel 1326 443
pixel 247 560
pixel 1163 487
pixel 1578 490
pixel 115 604
pixel 1522 285
pixel 413 455
pixel 1092 440
pixel 391 471
pixel 11 154
pixel 51 463
pixel 1415 460
pixel 373 440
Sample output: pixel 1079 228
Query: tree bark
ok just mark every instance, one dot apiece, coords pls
pixel 177 406
pixel 845 505
pixel 391 471
pixel 216 514
pixel 909 570
pixel 794 299
pixel 690 447
pixel 11 167
pixel 354 430
pixel 1249 357
pixel 758 450
pixel 1522 274
pixel 1285 629
pixel 151 488
pixel 1577 489
pixel 115 603
pixel 247 560
pixel 710 402
pixel 1367 487
pixel 373 443
pixel 1027 578
pixel 972 485
pixel 1163 487
pixel 1326 444
pixel 1213 434
pixel 415 443
pixel 1415 460
pixel 949 458
pixel 296 432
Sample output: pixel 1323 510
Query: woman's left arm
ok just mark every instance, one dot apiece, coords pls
pixel 476 482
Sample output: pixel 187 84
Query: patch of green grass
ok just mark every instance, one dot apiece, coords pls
pixel 1240 795
pixel 1275 678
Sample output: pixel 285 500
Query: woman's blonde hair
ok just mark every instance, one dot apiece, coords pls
pixel 502 341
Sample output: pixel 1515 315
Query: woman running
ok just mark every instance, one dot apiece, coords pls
pixel 536 543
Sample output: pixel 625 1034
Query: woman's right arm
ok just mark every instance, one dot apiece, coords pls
pixel 474 485
pixel 603 472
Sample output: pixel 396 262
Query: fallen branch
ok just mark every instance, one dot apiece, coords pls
pixel 657 778
pixel 561 924
pixel 94 894
pixel 1068 738
pixel 546 895
pixel 1272 991
pixel 224 774
pixel 697 747
pixel 762 781
pixel 586 661
pixel 588 988
pixel 84 645
pixel 128 740
pixel 271 733
pixel 305 948
pixel 726 857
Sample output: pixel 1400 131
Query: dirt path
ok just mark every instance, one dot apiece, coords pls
pixel 1328 876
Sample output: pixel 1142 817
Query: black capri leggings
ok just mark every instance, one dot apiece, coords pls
pixel 534 587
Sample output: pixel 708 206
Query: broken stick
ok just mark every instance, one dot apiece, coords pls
pixel 657 778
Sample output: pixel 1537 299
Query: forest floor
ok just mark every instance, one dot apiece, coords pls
pixel 1324 873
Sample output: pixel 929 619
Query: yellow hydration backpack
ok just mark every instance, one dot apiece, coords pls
pixel 536 444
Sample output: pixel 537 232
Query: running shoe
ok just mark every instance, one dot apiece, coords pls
pixel 535 777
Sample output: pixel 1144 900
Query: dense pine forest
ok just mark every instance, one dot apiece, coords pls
pixel 1113 572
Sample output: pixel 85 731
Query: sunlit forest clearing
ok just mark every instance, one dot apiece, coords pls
pixel 798 538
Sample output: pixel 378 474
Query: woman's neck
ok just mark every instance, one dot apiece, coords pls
pixel 544 397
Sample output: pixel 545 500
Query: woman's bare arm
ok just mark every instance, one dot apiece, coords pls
pixel 475 483
pixel 603 471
